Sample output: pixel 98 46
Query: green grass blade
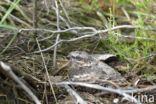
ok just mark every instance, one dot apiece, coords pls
pixel 8 27
pixel 11 8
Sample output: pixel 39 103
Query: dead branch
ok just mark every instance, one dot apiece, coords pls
pixel 98 87
pixel 78 98
pixel 47 73
pixel 95 32
pixel 7 70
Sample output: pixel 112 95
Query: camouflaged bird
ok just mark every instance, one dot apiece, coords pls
pixel 86 68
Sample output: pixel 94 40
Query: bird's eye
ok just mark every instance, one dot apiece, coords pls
pixel 78 58
pixel 73 57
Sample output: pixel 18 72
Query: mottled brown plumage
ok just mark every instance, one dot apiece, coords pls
pixel 85 68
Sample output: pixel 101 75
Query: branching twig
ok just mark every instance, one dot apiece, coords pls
pixel 92 33
pixel 95 32
pixel 47 73
pixel 95 86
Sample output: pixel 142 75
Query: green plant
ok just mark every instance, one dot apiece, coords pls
pixel 144 42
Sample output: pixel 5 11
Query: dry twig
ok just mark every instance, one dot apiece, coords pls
pixel 6 69
pixel 47 73
pixel 75 95
pixel 98 87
